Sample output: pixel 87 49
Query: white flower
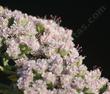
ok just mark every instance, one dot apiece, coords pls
pixel 13 49
pixel 49 77
pixel 46 59
pixel 66 80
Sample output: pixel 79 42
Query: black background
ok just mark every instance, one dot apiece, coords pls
pixel 95 39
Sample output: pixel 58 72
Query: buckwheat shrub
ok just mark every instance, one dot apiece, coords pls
pixel 45 57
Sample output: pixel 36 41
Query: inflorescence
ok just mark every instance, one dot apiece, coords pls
pixel 45 57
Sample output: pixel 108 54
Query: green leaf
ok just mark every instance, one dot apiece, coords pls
pixel 1 68
pixel 40 28
pixel 5 61
pixel 103 89
pixel 7 89
pixel 8 71
pixel 10 21
pixel 13 77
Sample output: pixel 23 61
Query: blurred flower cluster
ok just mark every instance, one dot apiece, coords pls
pixel 38 56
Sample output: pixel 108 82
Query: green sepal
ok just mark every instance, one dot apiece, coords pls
pixel 10 21
pixel 40 28
pixel 24 49
pixel 37 75
pixel 50 86
pixel 23 21
pixel 62 52
pixel 87 91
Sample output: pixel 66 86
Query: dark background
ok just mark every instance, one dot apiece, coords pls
pixel 94 37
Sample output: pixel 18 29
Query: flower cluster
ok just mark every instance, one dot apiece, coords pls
pixel 45 56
